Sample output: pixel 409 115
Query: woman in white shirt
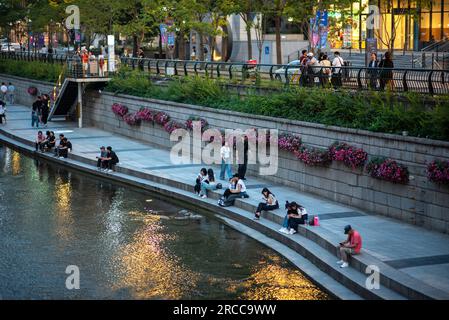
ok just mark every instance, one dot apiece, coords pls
pixel 199 179
pixel 209 184
pixel 231 194
pixel 269 203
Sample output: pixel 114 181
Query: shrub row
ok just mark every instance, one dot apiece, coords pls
pixel 373 111
pixel 31 69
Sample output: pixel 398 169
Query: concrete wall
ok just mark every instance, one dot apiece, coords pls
pixel 22 96
pixel 421 202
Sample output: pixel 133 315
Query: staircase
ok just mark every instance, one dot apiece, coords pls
pixel 65 101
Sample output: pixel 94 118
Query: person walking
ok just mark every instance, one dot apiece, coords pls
pixel 225 153
pixel 386 72
pixel 337 63
pixel 2 112
pixel 35 112
pixel 372 71
pixel 351 246
pixel 45 108
pixel 3 91
pixel 11 93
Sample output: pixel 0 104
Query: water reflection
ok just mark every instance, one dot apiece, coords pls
pixel 126 246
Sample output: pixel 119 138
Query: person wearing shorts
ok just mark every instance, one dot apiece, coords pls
pixel 351 246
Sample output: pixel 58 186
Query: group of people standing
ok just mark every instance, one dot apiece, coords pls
pixel 7 95
pixel 40 111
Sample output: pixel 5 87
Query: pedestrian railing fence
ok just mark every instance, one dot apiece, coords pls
pixel 425 81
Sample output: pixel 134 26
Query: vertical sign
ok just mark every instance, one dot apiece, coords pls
pixel 163 28
pixel 323 30
pixel 111 53
pixel 371 46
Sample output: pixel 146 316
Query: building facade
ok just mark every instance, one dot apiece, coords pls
pixel 403 24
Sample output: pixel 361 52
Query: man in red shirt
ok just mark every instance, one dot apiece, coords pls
pixel 351 246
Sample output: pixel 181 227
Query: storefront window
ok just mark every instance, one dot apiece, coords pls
pixel 424 30
pixel 436 26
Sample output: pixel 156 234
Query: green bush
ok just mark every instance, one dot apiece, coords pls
pixel 374 111
pixel 31 69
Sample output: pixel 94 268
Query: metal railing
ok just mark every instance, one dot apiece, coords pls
pixel 426 81
pixel 94 68
pixel 272 76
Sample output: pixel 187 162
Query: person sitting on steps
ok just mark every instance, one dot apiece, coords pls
pixel 111 160
pixel 237 189
pixel 269 203
pixel 296 215
pixel 209 184
pixel 351 246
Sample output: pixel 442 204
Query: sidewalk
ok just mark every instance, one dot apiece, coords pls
pixel 404 253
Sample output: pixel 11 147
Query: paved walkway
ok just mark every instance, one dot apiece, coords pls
pixel 417 252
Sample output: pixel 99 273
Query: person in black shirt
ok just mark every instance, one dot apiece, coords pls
pixel 50 141
pixel 243 166
pixel 45 109
pixel 64 147
pixel 111 159
pixel 386 73
pixel 36 112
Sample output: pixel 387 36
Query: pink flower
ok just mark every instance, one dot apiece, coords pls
pixel 119 109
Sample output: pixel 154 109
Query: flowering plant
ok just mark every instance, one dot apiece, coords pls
pixel 173 125
pixel 161 118
pixel 119 109
pixel 131 119
pixel 32 91
pixel 313 156
pixel 349 155
pixel 289 142
pixel 438 171
pixel 388 169
pixel 145 114
pixel 189 123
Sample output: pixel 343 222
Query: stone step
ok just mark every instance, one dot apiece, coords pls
pixel 248 208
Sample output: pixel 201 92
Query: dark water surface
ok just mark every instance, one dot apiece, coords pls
pixel 126 243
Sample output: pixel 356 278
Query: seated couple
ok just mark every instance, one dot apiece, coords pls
pixel 296 215
pixel 44 143
pixel 107 159
pixel 236 190
pixel 205 181
pixel 62 150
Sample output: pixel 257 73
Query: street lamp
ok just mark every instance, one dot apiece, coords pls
pixel 29 37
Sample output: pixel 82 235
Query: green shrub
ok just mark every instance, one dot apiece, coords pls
pixel 31 69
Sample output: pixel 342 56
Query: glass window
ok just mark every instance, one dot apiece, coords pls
pixel 446 25
pixel 436 26
pixel 436 5
pixel 424 30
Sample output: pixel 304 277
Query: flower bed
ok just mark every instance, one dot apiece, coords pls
pixel 349 155
pixel 132 119
pixel 289 142
pixel 438 171
pixel 119 109
pixel 313 156
pixel 173 125
pixel 161 118
pixel 145 114
pixel 189 123
pixel 32 91
pixel 388 169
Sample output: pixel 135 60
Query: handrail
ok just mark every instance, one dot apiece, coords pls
pixel 430 81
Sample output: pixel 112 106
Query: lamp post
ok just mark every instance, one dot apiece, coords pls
pixel 29 38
